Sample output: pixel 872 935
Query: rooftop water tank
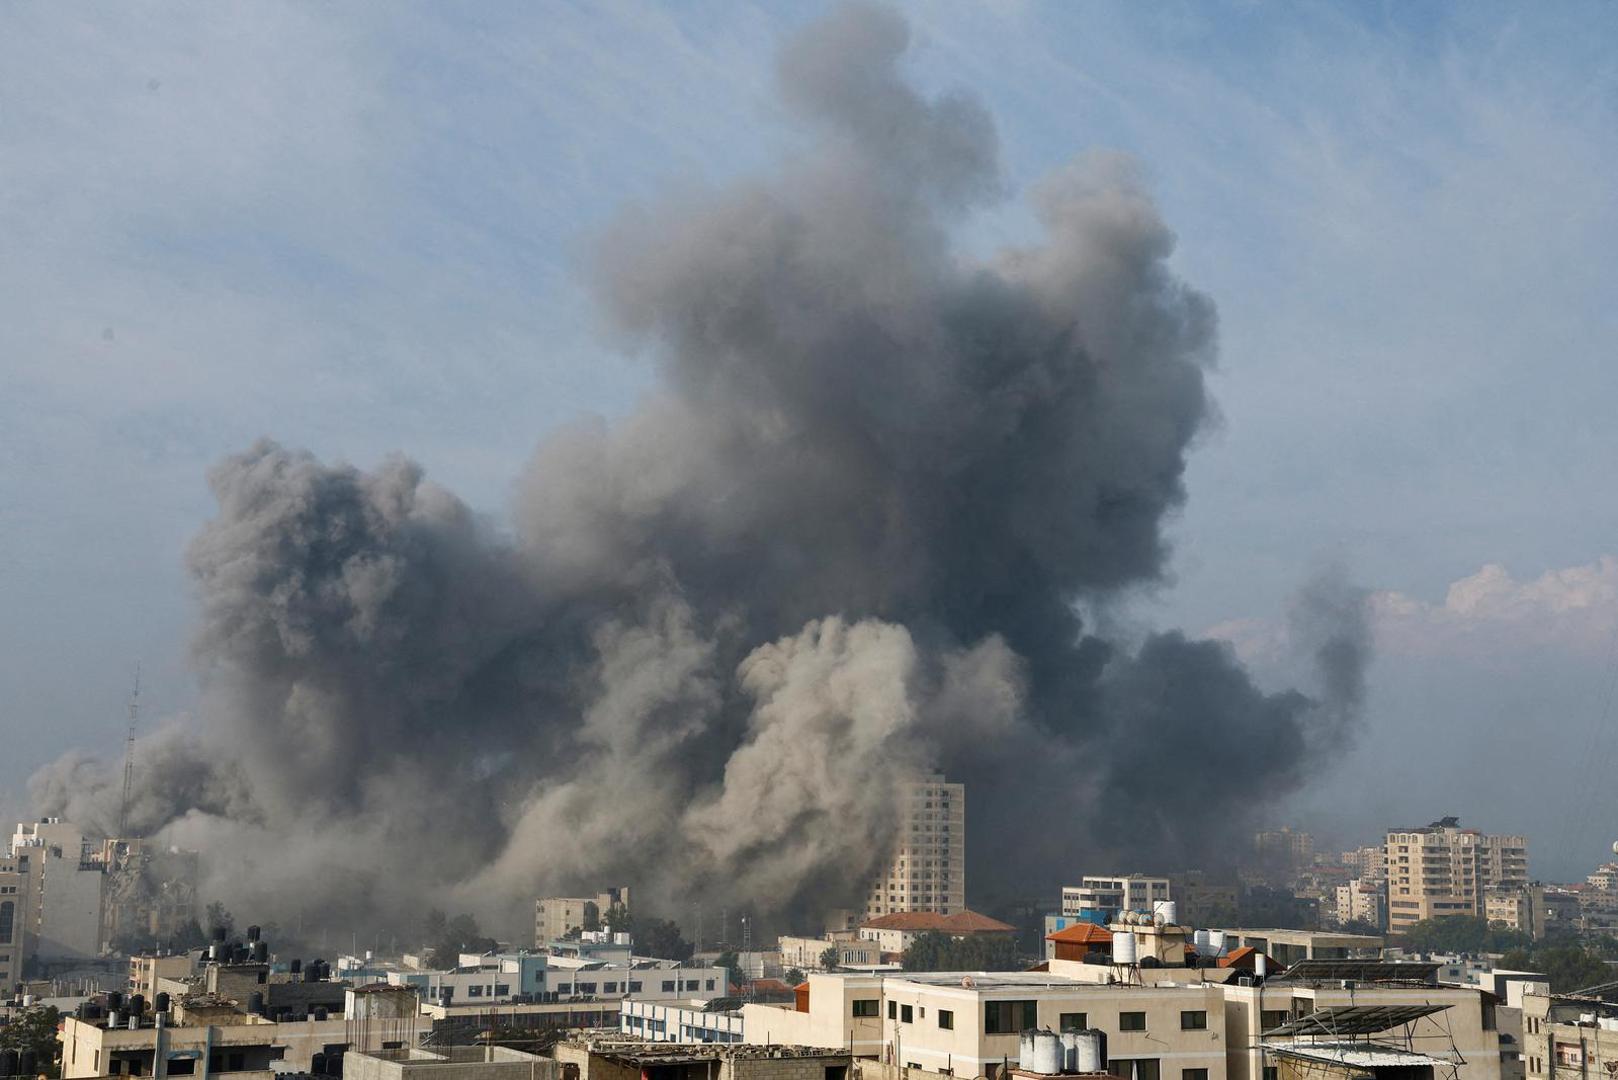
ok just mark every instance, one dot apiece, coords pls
pixel 1084 1051
pixel 1048 1053
pixel 1166 913
pixel 1025 1051
pixel 1123 947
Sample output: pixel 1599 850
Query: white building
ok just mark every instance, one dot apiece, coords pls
pixel 63 902
pixel 1100 896
pixel 1362 901
pixel 679 1022
pixel 502 978
pixel 928 869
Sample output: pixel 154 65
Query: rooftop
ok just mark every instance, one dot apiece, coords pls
pixel 962 922
pixel 1081 933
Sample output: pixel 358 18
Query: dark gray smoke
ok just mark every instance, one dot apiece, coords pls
pixel 846 543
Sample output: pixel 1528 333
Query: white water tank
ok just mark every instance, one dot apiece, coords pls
pixel 1216 942
pixel 1261 965
pixel 1025 1051
pixel 1200 940
pixel 1082 1051
pixel 621 938
pixel 1047 1053
pixel 1166 913
pixel 1123 947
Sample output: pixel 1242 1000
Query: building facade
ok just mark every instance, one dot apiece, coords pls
pixel 928 868
pixel 1360 901
pixel 558 916
pixel 1099 897
pixel 1440 870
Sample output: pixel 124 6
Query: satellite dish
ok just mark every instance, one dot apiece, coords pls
pixel 1615 847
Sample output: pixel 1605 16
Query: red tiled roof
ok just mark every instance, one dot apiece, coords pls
pixel 1081 933
pixel 771 986
pixel 962 922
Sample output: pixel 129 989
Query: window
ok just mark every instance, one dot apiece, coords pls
pixel 500 990
pixel 907 1015
pixel 893 1010
pixel 474 991
pixel 1074 1022
pixel 586 988
pixel 946 1019
pixel 182 1066
pixel 609 988
pixel 1271 1072
pixel 1271 1018
pixel 8 916
pixel 1193 1074
pixel 866 1007
pixel 565 988
pixel 1194 1020
pixel 1131 1021
pixel 1134 1068
pixel 668 986
pixel 634 986
pixel 1009 1017
pixel 708 985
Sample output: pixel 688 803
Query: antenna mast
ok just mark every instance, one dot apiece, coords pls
pixel 129 756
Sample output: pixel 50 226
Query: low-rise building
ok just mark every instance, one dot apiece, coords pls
pixel 498 978
pixel 210 1035
pixel 448 1063
pixel 1100 897
pixel 1567 1036
pixel 893 934
pixel 146 970
pixel 806 953
pixel 1287 947
pixel 616 1056
pixel 681 1022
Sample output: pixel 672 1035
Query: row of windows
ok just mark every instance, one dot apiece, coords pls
pixel 1009 1017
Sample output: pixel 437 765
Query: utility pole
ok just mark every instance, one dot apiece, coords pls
pixel 129 758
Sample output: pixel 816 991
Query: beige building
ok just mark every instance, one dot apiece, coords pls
pixel 1441 870
pixel 555 917
pixel 1361 901
pixel 1522 908
pixel 969 1025
pixel 1108 894
pixel 805 953
pixel 63 900
pixel 448 1063
pixel 145 972
pixel 1369 863
pixel 1570 1036
pixel 601 1055
pixel 15 895
pixel 209 1036
pixel 928 868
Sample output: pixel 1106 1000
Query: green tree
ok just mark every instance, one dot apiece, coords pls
pixel 793 977
pixel 731 963
pixel 35 1030
pixel 454 937
pixel 618 920
pixel 1569 966
pixel 661 938
pixel 934 951
pixel 829 958
pixel 592 917
pixel 1462 934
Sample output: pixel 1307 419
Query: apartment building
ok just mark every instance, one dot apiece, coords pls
pixel 928 868
pixel 1368 863
pixel 558 916
pixel 1284 847
pixel 1360 901
pixel 1441 869
pixel 62 901
pixel 951 1024
pixel 1099 897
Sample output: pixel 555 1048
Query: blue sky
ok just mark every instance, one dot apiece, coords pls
pixel 357 229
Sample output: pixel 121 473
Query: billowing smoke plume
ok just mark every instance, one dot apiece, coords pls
pixel 846 543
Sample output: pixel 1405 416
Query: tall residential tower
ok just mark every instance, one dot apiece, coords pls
pixel 928 871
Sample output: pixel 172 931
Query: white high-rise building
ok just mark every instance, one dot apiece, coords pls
pixel 928 871
pixel 62 905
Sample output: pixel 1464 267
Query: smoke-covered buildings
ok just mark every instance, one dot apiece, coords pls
pixel 928 868
pixel 557 917
pixel 62 895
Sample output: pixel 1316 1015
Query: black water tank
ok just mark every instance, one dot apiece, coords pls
pixel 296 966
pixel 320 1012
pixel 115 1000
pixel 8 1063
pixel 254 933
pixel 334 1064
pixel 261 951
pixel 27 1063
pixel 255 1003
pixel 162 1002
pixel 137 1004
pixel 317 1063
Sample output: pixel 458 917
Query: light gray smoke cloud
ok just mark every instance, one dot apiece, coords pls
pixel 844 544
